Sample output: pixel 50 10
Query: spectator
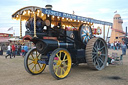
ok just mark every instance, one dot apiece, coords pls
pixel 25 49
pixel 19 49
pixel 22 50
pixel 16 49
pixel 123 48
pixel 8 51
pixel 13 50
pixel 112 45
pixel 117 45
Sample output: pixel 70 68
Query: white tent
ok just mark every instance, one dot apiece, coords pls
pixel 14 39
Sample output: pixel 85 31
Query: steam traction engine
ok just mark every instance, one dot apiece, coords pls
pixel 60 39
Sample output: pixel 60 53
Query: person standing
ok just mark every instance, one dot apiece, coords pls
pixel 13 50
pixel 19 49
pixel 25 49
pixel 8 51
pixel 123 48
pixel 112 46
pixel 117 45
pixel 22 50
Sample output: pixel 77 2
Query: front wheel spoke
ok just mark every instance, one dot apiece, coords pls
pixel 60 71
pixel 65 60
pixel 63 70
pixel 33 66
pixel 38 55
pixel 30 63
pixel 56 66
pixel 64 57
pixel 58 56
pixel 32 55
pixel 30 59
pixel 65 65
pixel 56 71
pixel 55 61
pixel 39 65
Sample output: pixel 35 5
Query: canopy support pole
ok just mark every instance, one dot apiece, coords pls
pixel 107 34
pixel 104 32
pixel 20 27
pixel 35 24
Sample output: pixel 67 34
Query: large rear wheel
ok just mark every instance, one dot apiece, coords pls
pixel 31 62
pixel 96 53
pixel 60 63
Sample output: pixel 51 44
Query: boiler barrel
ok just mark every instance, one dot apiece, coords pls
pixel 44 46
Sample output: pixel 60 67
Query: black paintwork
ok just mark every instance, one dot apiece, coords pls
pixel 65 39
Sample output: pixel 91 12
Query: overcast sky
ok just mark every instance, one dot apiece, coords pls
pixel 97 9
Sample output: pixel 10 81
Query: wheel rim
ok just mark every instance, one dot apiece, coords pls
pixel 85 33
pixel 32 62
pixel 99 54
pixel 62 64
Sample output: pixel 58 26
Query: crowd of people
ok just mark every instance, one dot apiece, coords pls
pixel 16 49
pixel 117 46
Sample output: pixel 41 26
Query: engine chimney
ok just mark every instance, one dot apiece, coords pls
pixel 48 7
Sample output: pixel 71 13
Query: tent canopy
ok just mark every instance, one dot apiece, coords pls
pixel 27 12
pixel 14 39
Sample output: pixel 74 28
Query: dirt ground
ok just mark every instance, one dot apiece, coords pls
pixel 12 72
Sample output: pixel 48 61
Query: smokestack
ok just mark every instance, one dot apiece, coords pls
pixel 126 32
pixel 48 7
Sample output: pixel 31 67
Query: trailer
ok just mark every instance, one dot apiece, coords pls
pixel 60 39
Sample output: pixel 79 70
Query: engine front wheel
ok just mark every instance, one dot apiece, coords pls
pixel 31 62
pixel 60 63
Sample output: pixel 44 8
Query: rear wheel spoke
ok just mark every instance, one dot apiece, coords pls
pixel 102 47
pixel 100 60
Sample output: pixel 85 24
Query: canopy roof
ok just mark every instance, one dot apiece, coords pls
pixel 27 12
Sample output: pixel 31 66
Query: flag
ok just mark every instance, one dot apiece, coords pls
pixel 11 28
pixel 115 11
